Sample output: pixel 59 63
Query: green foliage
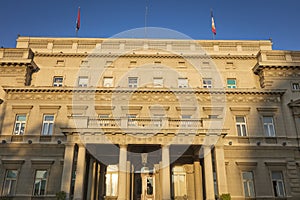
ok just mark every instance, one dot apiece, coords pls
pixel 61 195
pixel 225 197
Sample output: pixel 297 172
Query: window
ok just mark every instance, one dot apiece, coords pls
pixel 186 121
pixel 48 123
pixel 241 125
pixel 132 82
pixel 40 182
pixel 207 83
pixel 157 120
pixel 112 180
pixel 182 82
pixel 278 184
pixel 83 81
pixel 268 123
pixel 10 181
pixel 231 83
pixel 57 81
pixel 158 82
pixel 108 82
pixel 104 119
pixel 20 124
pixel 179 181
pixel 248 184
pixel 295 86
pixel 131 120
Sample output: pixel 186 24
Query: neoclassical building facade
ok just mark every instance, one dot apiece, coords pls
pixel 149 119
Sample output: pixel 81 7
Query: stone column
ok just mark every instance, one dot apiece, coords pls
pixel 165 172
pixel 101 182
pixel 67 170
pixel 198 180
pixel 80 172
pixel 221 171
pixel 128 180
pixel 91 179
pixel 208 171
pixel 122 173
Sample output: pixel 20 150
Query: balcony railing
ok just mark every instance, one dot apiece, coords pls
pixel 125 122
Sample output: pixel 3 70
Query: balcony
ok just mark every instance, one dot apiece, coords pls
pixel 134 123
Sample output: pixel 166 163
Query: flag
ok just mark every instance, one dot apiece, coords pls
pixel 213 26
pixel 78 20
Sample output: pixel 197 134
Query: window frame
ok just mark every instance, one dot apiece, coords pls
pixel 43 133
pixel 240 125
pixel 133 84
pixel 205 84
pixel 295 86
pixel 248 182
pixel 57 83
pixel 158 82
pixel 175 176
pixel 268 132
pixel 111 188
pixel 183 82
pixel 83 81
pixel 276 193
pixel 108 81
pixel 19 123
pixel 231 86
pixel 11 189
pixel 39 192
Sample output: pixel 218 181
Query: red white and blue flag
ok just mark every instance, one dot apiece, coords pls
pixel 78 20
pixel 213 26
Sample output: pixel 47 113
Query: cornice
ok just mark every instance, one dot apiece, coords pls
pixel 131 54
pixel 97 90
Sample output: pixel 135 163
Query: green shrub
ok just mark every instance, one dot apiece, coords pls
pixel 225 197
pixel 61 195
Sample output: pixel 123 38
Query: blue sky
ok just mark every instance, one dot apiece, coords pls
pixel 235 19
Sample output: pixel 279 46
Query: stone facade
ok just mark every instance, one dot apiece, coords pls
pixel 153 119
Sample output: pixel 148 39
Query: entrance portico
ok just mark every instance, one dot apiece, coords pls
pixel 141 171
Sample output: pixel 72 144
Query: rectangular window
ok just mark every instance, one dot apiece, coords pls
pixel 58 81
pixel 241 125
pixel 179 181
pixel 83 81
pixel 10 181
pixel 132 82
pixel 231 83
pixel 269 127
pixel 104 119
pixel 207 83
pixel 20 123
pixel 295 86
pixel 158 82
pixel 108 82
pixel 186 121
pixel 278 184
pixel 48 123
pixel 248 184
pixel 40 182
pixel 182 82
pixel 112 180
pixel 157 120
pixel 131 120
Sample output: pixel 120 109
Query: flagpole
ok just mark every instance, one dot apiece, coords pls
pixel 146 15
